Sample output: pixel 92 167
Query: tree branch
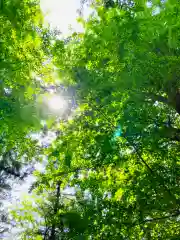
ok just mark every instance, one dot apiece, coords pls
pixel 160 218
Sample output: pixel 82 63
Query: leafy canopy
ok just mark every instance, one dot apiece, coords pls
pixel 120 152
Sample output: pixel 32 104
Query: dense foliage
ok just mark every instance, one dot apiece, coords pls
pixel 113 170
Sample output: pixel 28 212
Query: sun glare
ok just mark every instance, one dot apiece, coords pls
pixel 56 103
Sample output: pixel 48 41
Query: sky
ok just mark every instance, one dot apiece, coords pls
pixel 62 14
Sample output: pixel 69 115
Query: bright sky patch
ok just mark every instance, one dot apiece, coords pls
pixel 62 14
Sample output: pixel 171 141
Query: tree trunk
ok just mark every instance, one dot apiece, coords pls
pixel 56 207
pixel 177 101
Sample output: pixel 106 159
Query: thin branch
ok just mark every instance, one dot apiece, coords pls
pixel 159 218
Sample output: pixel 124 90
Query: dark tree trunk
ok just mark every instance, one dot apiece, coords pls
pixel 177 101
pixel 56 207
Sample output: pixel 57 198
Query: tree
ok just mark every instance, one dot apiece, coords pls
pixel 120 152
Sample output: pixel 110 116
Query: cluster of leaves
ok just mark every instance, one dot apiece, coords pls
pixel 120 153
